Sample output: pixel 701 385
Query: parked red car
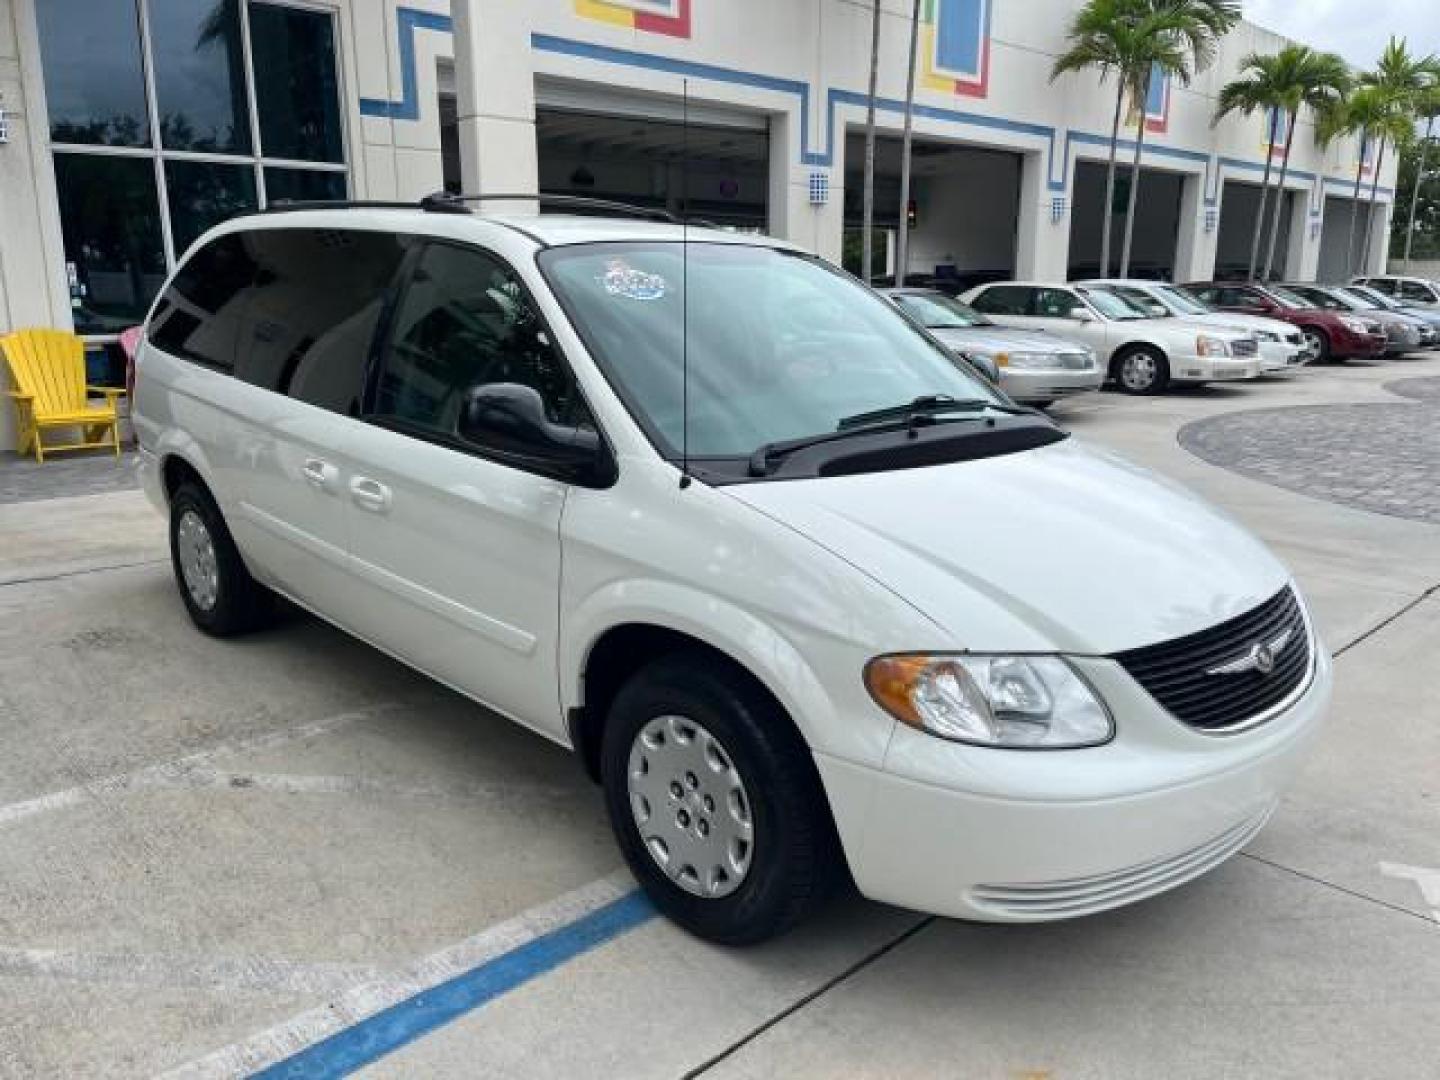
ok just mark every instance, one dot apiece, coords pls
pixel 1328 334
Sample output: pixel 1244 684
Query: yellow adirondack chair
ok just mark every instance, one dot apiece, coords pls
pixel 48 368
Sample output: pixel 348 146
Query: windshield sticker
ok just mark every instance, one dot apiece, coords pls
pixel 622 279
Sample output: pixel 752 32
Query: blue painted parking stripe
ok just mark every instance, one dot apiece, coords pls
pixel 387 1031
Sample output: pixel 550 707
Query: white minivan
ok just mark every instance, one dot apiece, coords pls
pixel 805 597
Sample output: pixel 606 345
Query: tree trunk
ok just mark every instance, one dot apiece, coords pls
pixel 1107 215
pixel 1370 211
pixel 1355 208
pixel 1419 183
pixel 1280 197
pixel 868 214
pixel 1264 201
pixel 1134 184
pixel 902 252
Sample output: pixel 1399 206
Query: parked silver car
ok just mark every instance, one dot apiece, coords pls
pixel 1035 368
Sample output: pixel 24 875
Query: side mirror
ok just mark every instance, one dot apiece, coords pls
pixel 510 418
pixel 1080 314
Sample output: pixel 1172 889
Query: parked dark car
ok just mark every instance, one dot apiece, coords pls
pixel 1331 335
pixel 1403 333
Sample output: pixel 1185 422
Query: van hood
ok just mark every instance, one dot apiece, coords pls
pixel 1064 548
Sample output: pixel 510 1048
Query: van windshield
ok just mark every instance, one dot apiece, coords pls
pixel 778 345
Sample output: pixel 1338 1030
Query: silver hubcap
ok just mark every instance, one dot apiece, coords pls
pixel 691 806
pixel 197 560
pixel 1138 371
pixel 1317 347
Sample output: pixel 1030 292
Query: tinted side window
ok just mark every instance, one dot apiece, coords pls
pixel 465 321
pixel 1411 290
pixel 1238 298
pixel 199 313
pixel 1213 297
pixel 313 308
pixel 1055 303
pixel 1004 300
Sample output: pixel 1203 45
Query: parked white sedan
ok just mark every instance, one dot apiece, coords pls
pixel 1282 346
pixel 1144 353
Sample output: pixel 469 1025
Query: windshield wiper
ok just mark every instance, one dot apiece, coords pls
pixel 767 458
pixel 929 405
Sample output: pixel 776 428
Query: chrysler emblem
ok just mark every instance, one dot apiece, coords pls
pixel 1260 657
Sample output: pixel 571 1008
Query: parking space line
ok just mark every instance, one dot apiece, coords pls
pixel 369 1021
pixel 175 771
pixel 60 575
pixel 211 779
pixel 239 973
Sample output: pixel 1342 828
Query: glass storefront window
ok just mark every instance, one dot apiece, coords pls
pixel 303 185
pixel 187 159
pixel 200 75
pixel 296 85
pixel 94 83
pixel 110 219
pixel 203 194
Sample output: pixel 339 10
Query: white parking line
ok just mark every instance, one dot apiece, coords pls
pixel 1428 881
pixel 322 784
pixel 240 973
pixel 175 771
pixel 284 1040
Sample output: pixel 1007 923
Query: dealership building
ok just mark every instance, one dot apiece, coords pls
pixel 130 126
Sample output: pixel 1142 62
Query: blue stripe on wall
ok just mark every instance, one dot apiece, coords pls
pixel 1057 171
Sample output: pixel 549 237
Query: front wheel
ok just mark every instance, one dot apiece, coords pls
pixel 715 801
pixel 1318 343
pixel 1142 371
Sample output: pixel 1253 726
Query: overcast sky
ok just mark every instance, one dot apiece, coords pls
pixel 1356 29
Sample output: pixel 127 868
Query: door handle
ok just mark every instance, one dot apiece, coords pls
pixel 370 494
pixel 320 474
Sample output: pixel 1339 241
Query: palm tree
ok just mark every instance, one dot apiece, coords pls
pixel 1427 105
pixel 868 211
pixel 1406 78
pixel 902 248
pixel 1132 40
pixel 1282 84
pixel 1372 113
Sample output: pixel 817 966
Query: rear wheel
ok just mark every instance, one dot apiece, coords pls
pixel 219 593
pixel 1142 370
pixel 715 801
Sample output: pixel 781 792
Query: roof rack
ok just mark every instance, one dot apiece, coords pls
pixel 445 202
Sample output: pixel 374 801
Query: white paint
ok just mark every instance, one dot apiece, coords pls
pixel 174 772
pixel 237 973
pixel 275 1044
pixel 1426 879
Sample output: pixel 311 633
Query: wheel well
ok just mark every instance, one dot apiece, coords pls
pixel 176 471
pixel 619 653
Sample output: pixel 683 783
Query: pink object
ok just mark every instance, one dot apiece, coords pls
pixel 130 345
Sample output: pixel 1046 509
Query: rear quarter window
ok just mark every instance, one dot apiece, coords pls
pixel 197 317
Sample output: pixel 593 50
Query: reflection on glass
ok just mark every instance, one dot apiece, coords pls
pixel 94 85
pixel 110 219
pixel 303 185
pixel 200 75
pixel 296 87
pixel 203 194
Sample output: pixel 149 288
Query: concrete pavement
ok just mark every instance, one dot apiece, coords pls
pixel 202 844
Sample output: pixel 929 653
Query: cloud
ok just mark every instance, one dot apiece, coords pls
pixel 1357 31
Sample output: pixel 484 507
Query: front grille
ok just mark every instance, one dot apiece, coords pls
pixel 1180 674
pixel 1245 347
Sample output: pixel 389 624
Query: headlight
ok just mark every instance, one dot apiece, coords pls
pixel 1020 702
pixel 1205 345
pixel 1266 335
pixel 1022 361
pixel 1355 326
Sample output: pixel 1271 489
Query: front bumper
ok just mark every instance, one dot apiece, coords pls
pixel 1277 357
pixel 1031 836
pixel 1349 343
pixel 1214 368
pixel 1031 385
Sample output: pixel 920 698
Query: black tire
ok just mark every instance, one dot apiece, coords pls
pixel 240 603
pixel 1159 380
pixel 795 859
pixel 1321 340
